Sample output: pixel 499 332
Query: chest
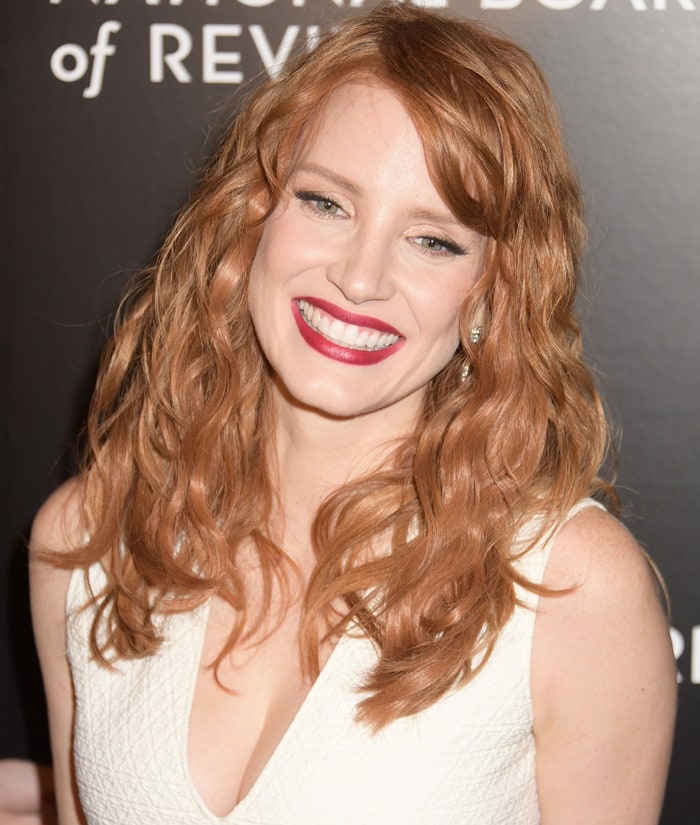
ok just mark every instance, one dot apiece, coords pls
pixel 468 758
pixel 242 704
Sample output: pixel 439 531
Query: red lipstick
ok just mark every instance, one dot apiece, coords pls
pixel 349 317
pixel 338 352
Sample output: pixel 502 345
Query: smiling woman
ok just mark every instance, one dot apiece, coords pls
pixel 360 225
pixel 333 556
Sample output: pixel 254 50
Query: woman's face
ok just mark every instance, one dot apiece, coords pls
pixel 361 270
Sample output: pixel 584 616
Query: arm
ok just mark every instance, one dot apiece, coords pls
pixel 57 526
pixel 603 681
pixel 26 793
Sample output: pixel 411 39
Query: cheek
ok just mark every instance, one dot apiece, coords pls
pixel 262 269
pixel 254 289
pixel 440 314
pixel 443 304
pixel 451 336
pixel 260 293
pixel 275 257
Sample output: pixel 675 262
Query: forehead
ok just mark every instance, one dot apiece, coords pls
pixel 355 108
pixel 364 131
pixel 362 95
pixel 362 124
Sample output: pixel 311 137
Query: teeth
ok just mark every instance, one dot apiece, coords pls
pixel 336 330
pixel 348 335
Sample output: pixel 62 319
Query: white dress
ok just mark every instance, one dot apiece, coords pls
pixel 469 759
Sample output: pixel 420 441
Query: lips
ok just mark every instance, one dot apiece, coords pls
pixel 344 336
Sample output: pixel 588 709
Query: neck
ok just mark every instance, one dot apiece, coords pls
pixel 316 453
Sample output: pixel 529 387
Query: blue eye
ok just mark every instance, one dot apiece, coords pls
pixel 323 205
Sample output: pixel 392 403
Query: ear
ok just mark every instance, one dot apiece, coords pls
pixel 479 317
pixel 475 313
pixel 473 324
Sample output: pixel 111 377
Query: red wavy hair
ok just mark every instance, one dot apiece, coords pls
pixel 176 467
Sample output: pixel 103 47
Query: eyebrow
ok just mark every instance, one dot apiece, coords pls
pixel 329 174
pixel 428 215
pixel 431 216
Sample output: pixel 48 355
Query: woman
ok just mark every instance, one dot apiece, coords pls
pixel 341 560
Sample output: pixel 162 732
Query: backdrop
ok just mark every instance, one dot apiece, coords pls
pixel 108 110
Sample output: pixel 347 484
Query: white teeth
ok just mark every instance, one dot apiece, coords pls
pixel 336 330
pixel 349 335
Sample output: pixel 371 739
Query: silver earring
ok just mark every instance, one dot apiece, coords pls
pixel 474 336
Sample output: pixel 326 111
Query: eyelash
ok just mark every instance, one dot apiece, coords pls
pixel 448 247
pixel 315 198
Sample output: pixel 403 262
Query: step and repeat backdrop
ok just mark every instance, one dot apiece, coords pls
pixel 109 110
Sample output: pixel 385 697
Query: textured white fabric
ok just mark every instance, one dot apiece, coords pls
pixel 467 760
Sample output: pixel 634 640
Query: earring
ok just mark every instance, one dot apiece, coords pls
pixel 474 336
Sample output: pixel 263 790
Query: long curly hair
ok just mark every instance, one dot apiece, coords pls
pixel 177 467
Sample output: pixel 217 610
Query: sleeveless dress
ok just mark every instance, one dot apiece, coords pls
pixel 469 759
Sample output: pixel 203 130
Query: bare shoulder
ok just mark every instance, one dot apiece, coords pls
pixel 58 528
pixel 58 525
pixel 603 679
pixel 595 552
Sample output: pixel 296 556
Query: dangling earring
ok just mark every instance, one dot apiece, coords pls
pixel 474 336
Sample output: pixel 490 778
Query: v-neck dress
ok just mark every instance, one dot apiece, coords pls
pixel 469 759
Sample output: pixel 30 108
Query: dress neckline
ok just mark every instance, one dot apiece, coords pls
pixel 283 745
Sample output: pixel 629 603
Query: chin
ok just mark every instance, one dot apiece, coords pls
pixel 345 400
pixel 325 402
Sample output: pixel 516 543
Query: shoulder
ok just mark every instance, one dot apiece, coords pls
pixel 593 534
pixel 597 557
pixel 604 594
pixel 59 524
pixel 603 675
pixel 57 529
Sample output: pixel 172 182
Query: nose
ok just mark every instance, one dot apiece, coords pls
pixel 362 270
